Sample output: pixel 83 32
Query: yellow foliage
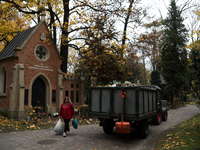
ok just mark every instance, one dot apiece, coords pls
pixel 11 23
pixel 195 44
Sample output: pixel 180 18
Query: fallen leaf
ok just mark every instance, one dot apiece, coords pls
pixel 169 134
pixel 33 126
pixel 182 143
pixel 166 145
pixel 188 133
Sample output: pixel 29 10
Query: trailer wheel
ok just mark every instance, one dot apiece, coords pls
pixel 108 126
pixel 143 129
pixel 156 120
pixel 164 114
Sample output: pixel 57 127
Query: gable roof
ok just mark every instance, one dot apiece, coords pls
pixel 17 41
pixel 20 40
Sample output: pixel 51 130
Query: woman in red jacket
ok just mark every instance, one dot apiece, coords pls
pixel 66 112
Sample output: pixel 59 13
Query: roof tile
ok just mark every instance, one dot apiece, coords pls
pixel 16 42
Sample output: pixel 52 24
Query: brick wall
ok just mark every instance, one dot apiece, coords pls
pixel 27 57
pixel 70 87
pixel 9 64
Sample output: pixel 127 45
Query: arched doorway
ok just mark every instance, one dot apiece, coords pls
pixel 38 92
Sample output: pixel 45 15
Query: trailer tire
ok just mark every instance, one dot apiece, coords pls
pixel 108 126
pixel 164 114
pixel 143 129
pixel 156 120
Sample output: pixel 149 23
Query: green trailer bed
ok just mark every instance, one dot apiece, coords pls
pixel 140 102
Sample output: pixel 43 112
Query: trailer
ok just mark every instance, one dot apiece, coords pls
pixel 126 108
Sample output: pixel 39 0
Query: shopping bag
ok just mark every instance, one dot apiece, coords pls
pixel 75 123
pixel 59 128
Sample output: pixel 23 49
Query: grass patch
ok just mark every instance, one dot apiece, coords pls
pixel 7 125
pixel 183 137
pixel 10 125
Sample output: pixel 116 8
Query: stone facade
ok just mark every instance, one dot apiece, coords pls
pixel 18 75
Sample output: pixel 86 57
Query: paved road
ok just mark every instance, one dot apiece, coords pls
pixel 91 137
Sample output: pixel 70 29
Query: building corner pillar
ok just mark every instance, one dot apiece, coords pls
pixel 60 90
pixel 16 108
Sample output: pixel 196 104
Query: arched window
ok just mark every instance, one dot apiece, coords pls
pixel 3 80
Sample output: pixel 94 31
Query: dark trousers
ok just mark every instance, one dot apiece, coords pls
pixel 66 125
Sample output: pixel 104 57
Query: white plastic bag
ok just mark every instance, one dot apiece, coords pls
pixel 59 128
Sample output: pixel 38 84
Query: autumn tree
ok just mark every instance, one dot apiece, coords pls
pixel 195 32
pixel 194 65
pixel 144 52
pixel 152 39
pixel 194 55
pixel 174 55
pixel 11 23
pixel 130 15
pixel 101 55
pixel 132 68
pixel 147 45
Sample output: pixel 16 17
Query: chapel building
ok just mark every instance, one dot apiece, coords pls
pixel 30 72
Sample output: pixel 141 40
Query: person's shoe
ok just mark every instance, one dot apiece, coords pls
pixel 64 134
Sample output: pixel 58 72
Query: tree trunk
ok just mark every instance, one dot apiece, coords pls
pixel 64 41
pixel 154 59
pixel 172 99
pixel 52 27
pixel 144 69
pixel 126 23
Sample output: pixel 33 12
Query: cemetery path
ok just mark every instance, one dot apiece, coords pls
pixel 90 137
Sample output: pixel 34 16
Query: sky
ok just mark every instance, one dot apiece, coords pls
pixel 159 7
